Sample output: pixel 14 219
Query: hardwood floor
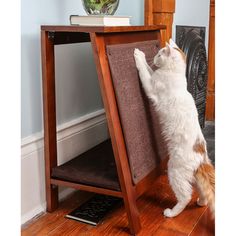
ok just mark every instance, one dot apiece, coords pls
pixel 194 221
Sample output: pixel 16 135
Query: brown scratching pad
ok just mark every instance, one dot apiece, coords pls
pixel 138 118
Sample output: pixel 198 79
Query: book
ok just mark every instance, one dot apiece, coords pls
pixel 95 209
pixel 100 20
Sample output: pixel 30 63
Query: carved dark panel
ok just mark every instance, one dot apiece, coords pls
pixel 192 44
pixel 182 30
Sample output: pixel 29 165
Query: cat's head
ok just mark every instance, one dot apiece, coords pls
pixel 171 56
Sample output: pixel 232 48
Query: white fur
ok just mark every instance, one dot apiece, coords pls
pixel 167 88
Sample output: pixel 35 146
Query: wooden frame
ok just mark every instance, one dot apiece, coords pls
pixel 99 37
pixel 210 103
pixel 160 12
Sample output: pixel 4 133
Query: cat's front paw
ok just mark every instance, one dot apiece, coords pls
pixel 139 53
pixel 168 213
pixel 139 57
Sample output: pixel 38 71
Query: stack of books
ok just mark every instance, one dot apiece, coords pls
pixel 100 20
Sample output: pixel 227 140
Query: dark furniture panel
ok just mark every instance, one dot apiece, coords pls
pixel 95 167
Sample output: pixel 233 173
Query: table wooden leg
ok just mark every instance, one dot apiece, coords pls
pixel 49 108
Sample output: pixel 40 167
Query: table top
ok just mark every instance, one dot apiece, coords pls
pixel 101 29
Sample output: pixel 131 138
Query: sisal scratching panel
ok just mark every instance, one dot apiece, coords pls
pixel 138 119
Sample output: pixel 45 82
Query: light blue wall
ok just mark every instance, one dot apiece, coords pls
pixel 192 13
pixel 77 86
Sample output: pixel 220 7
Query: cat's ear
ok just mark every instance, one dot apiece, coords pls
pixel 167 49
pixel 172 43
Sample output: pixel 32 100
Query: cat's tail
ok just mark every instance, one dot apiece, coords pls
pixel 205 180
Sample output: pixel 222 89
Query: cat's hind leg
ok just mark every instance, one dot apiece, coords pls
pixel 201 201
pixel 180 184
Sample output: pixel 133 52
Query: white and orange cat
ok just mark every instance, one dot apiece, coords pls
pixel 188 162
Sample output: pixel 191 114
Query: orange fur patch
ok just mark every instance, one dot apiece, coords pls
pixel 207 172
pixel 182 53
pixel 199 147
pixel 205 180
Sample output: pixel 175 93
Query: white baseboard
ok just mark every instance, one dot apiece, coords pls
pixel 73 138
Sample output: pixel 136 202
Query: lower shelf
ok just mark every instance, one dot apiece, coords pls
pixel 95 167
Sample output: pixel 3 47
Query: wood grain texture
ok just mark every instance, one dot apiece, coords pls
pixel 100 29
pixel 167 6
pixel 148 9
pixel 210 106
pixel 210 103
pixel 49 221
pixel 130 37
pixel 164 19
pixel 205 225
pixel 193 221
pixel 160 12
pixel 86 187
pixel 49 111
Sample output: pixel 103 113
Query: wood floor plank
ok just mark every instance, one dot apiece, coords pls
pixel 192 221
pixel 168 232
pixel 184 223
pixel 45 224
pixel 152 212
pixel 205 226
pixel 71 227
